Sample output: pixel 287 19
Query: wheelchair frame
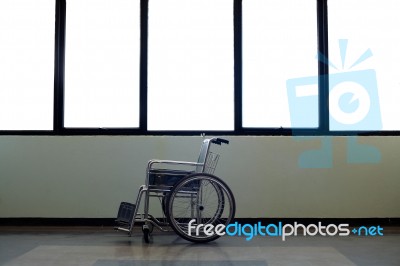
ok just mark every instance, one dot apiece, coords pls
pixel 173 185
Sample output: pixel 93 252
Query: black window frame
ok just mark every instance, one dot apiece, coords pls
pixel 323 86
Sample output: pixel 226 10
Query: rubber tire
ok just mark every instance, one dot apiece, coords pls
pixel 146 235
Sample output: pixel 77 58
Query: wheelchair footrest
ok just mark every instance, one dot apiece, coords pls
pixel 125 213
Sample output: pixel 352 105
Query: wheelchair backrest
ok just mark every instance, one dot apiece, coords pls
pixel 207 160
pixel 205 146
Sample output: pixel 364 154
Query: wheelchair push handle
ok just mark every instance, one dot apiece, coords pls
pixel 219 141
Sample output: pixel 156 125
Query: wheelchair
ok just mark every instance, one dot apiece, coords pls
pixel 194 202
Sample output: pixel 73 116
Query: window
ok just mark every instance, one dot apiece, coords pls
pixel 242 67
pixel 102 64
pixel 190 65
pixel 364 52
pixel 26 64
pixel 280 85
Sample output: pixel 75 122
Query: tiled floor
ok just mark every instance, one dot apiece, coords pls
pixel 105 247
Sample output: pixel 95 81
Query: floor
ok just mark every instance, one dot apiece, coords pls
pixel 104 247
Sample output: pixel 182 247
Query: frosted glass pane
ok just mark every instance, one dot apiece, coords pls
pixel 102 63
pixel 279 63
pixel 26 64
pixel 364 43
pixel 190 65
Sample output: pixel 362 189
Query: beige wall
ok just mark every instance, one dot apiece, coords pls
pixel 87 176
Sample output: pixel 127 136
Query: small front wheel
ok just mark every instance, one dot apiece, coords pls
pixel 198 207
pixel 146 233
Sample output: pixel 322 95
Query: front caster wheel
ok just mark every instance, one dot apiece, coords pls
pixel 147 230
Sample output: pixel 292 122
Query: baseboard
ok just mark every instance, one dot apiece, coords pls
pixel 111 221
pixel 57 221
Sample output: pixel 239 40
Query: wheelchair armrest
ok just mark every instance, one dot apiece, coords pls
pixel 153 162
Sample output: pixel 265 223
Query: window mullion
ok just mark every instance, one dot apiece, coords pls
pixel 323 68
pixel 59 67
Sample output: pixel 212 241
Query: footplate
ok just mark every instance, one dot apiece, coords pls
pixel 125 213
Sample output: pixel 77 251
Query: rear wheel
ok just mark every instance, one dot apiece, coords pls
pixel 197 205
